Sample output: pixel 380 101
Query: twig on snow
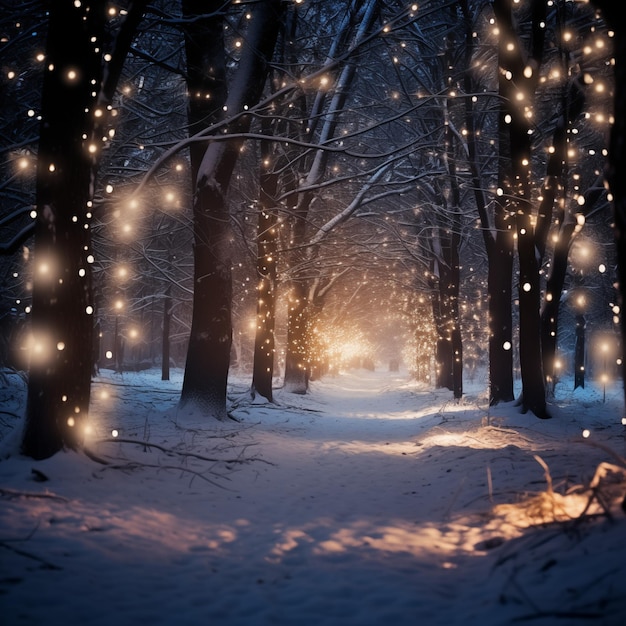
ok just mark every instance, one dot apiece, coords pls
pixel 5 543
pixel 172 452
pixel 28 555
pixel 186 470
pixel 12 493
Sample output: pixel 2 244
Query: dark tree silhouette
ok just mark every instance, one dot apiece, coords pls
pixel 514 79
pixel 208 355
pixel 61 363
pixel 616 167
pixel 75 93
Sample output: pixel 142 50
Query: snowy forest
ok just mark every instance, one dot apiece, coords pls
pixel 288 188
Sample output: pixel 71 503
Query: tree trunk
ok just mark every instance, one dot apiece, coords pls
pixel 498 239
pixel 208 355
pixel 553 201
pixel 165 343
pixel 296 359
pixel 616 170
pixel 511 78
pixel 499 300
pixel 579 352
pixel 443 364
pixel 267 248
pixel 62 314
pixel 451 248
pixel 552 301
pixel 70 143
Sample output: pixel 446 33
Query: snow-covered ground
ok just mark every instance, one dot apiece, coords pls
pixel 372 500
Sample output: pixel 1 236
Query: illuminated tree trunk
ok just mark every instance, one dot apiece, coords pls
pixel 551 306
pixel 553 201
pixel 296 358
pixel 448 351
pixel 443 348
pixel 62 320
pixel 267 248
pixel 69 146
pixel 553 194
pixel 275 172
pixel 452 272
pixel 208 355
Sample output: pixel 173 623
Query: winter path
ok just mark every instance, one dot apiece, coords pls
pixel 370 501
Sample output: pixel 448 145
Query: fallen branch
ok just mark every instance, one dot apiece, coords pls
pixel 28 555
pixel 172 452
pixel 4 543
pixel 194 474
pixel 11 493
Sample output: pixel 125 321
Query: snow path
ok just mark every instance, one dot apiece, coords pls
pixel 364 503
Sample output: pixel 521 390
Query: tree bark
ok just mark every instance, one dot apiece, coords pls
pixel 62 314
pixel 616 167
pixel 579 353
pixel 498 238
pixel 208 355
pixel 512 77
pixel 499 301
pixel 70 143
pixel 267 249
pixel 165 342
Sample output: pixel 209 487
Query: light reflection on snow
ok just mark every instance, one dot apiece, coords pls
pixel 155 534
pixel 400 540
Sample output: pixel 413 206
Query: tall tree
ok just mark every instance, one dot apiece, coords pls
pixel 518 77
pixel 267 251
pixel 616 167
pixel 277 176
pixel 496 229
pixel 208 355
pixel 75 94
